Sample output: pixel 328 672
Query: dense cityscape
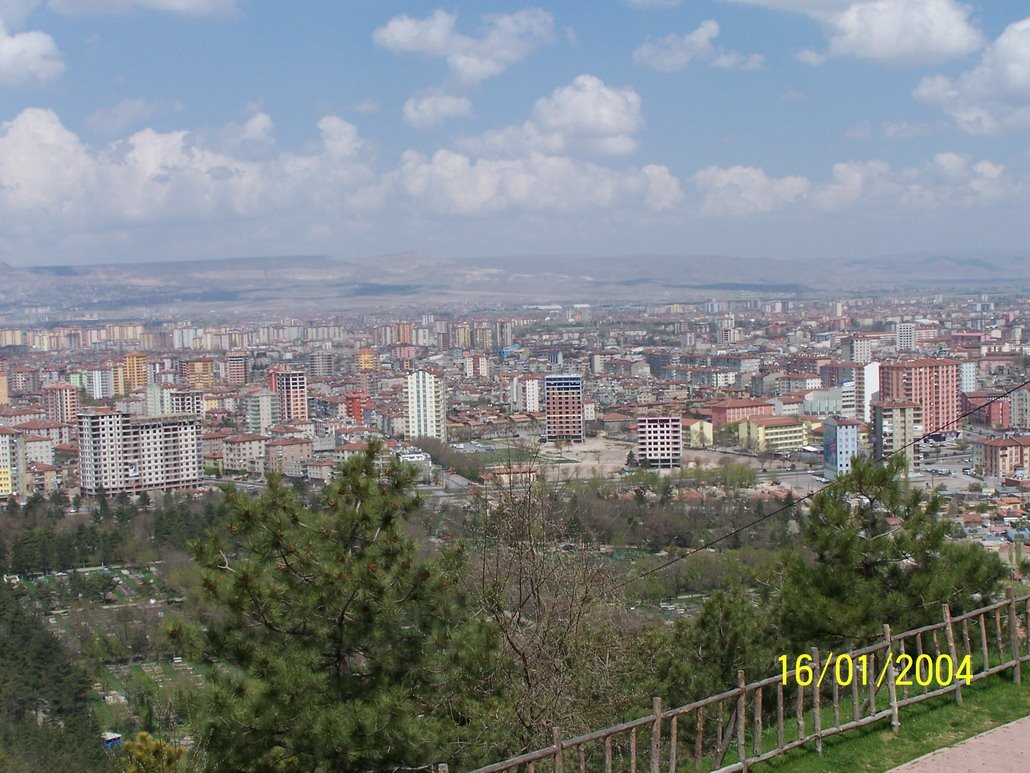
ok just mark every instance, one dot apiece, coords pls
pixel 514 388
pixel 130 407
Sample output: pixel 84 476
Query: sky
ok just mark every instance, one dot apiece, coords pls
pixel 135 130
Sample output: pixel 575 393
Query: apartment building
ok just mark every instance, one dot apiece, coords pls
pixel 563 403
pixel 120 452
pixel 894 429
pixel 931 383
pixel 841 439
pixel 62 402
pixel 660 441
pixel 292 388
pixel 425 400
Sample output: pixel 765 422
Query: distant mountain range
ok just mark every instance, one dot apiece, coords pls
pixel 320 283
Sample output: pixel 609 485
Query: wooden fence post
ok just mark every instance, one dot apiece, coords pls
pixel 741 721
pixel 557 750
pixel 656 736
pixel 952 649
pixel 892 688
pixel 1017 668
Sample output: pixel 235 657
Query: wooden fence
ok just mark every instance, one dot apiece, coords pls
pixel 760 720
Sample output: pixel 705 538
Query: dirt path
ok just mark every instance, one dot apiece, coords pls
pixel 1005 749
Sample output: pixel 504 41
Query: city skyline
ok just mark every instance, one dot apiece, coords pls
pixel 152 129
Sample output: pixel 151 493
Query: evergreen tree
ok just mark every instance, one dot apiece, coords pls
pixel 878 552
pixel 329 635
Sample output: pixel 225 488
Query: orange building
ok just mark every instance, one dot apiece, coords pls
pixel 932 384
pixel 135 370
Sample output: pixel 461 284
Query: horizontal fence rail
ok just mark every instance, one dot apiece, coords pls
pixel 757 721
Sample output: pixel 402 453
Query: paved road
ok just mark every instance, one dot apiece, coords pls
pixel 1003 750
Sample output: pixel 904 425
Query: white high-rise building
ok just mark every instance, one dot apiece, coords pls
pixel 905 336
pixel 262 411
pixel 12 463
pixel 528 398
pixel 119 452
pixel 1019 403
pixel 660 441
pixel 967 370
pixel 426 401
pixel 867 389
pixel 840 444
pixel 858 349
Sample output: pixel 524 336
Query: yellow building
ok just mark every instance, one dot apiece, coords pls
pixel 367 359
pixel 4 395
pixel 6 487
pixel 135 371
pixel 198 374
pixel 697 433
pixel 775 433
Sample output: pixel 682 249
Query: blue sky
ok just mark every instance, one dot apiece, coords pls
pixel 149 129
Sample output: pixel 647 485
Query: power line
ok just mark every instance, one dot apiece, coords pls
pixel 809 495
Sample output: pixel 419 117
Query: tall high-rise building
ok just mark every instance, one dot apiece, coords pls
pixel 62 402
pixel 262 410
pixel 292 388
pixel 426 400
pixel 12 463
pixel 660 441
pixel 858 349
pixel 1020 400
pixel 528 394
pixel 135 371
pixel 867 388
pixel 119 452
pixel 320 364
pixel 967 370
pixel 840 444
pixel 930 383
pixel 894 429
pixel 198 373
pixel 563 403
pixel 905 336
pixel 5 396
pixel 236 368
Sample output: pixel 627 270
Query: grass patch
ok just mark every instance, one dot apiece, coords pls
pixel 925 727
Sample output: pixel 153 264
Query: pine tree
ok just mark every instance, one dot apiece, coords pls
pixel 878 552
pixel 329 636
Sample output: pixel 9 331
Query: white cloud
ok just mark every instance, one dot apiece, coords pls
pixel 950 180
pixel 239 186
pixel 890 32
pixel 367 106
pixel 585 115
pixel 189 7
pixel 902 130
pixel 995 94
pixel 674 52
pixel 432 109
pixel 810 57
pixel 14 12
pixel 746 190
pixel 50 181
pixel 28 58
pixel 129 114
pixel 504 40
pixel 453 183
